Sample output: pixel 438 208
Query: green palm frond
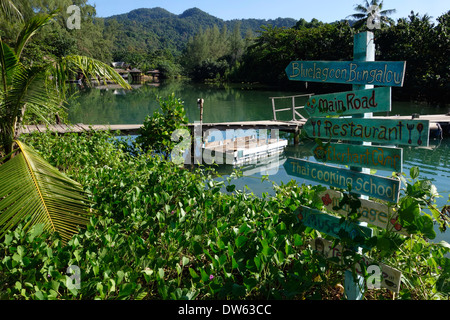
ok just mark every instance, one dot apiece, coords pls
pixel 31 187
pixel 364 12
pixel 8 8
pixel 30 28
pixel 93 68
pixel 8 62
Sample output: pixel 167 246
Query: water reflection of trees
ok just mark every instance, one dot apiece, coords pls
pixel 223 103
pixel 109 106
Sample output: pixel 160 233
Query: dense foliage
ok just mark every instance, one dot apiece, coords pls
pixel 203 47
pixel 158 129
pixel 422 44
pixel 163 232
pixel 151 29
pixel 94 39
pixel 160 231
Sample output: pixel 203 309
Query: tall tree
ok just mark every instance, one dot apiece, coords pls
pixel 369 13
pixel 29 186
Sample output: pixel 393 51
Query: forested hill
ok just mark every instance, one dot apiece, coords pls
pixel 157 28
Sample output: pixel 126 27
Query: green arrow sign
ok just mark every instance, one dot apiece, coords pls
pixel 329 224
pixel 384 131
pixel 361 156
pixel 361 183
pixel 352 102
pixel 376 213
pixel 378 73
pixel 390 277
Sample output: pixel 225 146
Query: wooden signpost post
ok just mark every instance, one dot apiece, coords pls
pixel 357 133
pixel 390 278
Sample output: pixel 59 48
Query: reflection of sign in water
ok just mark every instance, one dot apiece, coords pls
pixel 375 213
pixel 379 73
pixel 390 277
pixel 352 102
pixel 361 156
pixel 361 183
pixel 386 131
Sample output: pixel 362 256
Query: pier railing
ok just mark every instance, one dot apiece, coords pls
pixel 293 107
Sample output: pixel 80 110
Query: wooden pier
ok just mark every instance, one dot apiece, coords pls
pixel 133 129
pixel 437 121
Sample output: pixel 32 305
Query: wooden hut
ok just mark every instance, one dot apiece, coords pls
pixel 136 75
pixel 154 74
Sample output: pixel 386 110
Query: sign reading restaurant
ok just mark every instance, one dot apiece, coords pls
pixel 378 73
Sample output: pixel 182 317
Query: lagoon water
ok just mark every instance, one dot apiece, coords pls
pixel 111 105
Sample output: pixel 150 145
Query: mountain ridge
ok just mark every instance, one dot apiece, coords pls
pixel 191 12
pixel 151 29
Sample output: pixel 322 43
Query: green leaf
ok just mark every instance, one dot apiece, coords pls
pixel 444 244
pixel 141 296
pixel 240 241
pixel 194 274
pixel 409 210
pixel 231 188
pixel 185 261
pixel 414 172
pixel 425 224
pixel 204 275
pixel 298 240
pixel 30 29
pixel 30 186
pixel 39 295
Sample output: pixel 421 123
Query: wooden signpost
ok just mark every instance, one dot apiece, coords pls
pixel 329 224
pixel 379 73
pixel 385 131
pixel 360 130
pixel 361 183
pixel 374 157
pixel 374 213
pixel 351 102
pixel 390 277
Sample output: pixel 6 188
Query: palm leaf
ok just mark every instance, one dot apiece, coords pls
pixel 93 68
pixel 31 187
pixel 8 8
pixel 30 29
pixel 8 62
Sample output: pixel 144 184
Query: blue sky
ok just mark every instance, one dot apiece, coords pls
pixel 324 10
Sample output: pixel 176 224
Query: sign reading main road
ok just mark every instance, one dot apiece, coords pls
pixel 384 131
pixel 351 102
pixel 361 183
pixel 378 73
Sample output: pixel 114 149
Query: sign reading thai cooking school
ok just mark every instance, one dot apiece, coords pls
pixel 382 188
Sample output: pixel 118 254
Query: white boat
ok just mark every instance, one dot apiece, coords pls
pixel 242 150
